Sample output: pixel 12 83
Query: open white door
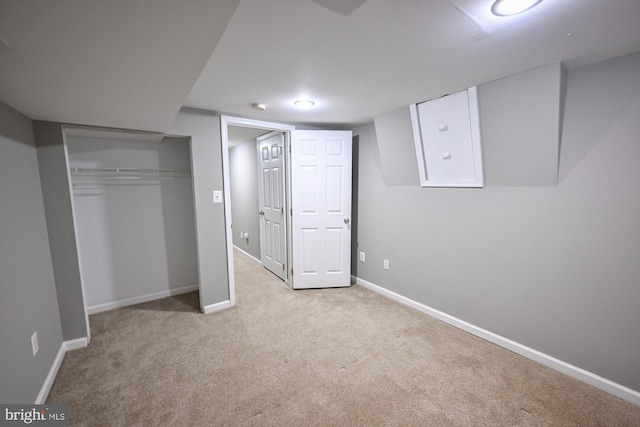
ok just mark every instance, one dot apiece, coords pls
pixel 271 203
pixel 321 208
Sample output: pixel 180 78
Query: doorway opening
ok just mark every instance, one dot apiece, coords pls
pixel 234 130
pixel 315 207
pixel 132 210
pixel 258 196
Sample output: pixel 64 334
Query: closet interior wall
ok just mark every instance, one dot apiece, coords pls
pixel 134 214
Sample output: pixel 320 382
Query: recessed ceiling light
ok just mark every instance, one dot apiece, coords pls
pixel 304 103
pixel 512 7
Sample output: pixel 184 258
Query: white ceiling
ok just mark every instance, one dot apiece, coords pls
pixel 239 134
pixel 133 63
pixel 115 63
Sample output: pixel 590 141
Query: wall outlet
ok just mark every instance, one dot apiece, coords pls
pixel 34 343
pixel 385 264
pixel 363 257
pixel 241 234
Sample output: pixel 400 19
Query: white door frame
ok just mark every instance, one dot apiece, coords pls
pixel 225 121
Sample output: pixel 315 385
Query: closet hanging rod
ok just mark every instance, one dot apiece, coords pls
pixel 129 173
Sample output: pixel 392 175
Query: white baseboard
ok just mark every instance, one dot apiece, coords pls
pixel 140 299
pixel 580 374
pixel 208 309
pixel 247 254
pixel 75 344
pixel 51 377
pixel 55 366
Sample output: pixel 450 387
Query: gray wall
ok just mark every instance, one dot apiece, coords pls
pixel 523 113
pixel 552 267
pixel 243 174
pixel 136 237
pixel 28 301
pixel 206 154
pixel 394 132
pixel 52 164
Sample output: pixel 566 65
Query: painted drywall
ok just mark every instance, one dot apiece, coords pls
pixel 397 147
pixel 243 176
pixel 136 236
pixel 206 163
pixel 523 109
pixel 56 193
pixel 554 268
pixel 28 301
pixel 520 119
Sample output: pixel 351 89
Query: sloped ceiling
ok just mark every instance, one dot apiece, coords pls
pixel 386 54
pixel 132 64
pixel 114 63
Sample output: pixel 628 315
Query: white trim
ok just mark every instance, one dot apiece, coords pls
pixel 417 142
pixel 575 372
pixel 225 121
pixel 476 135
pixel 219 306
pixel 226 194
pixel 288 278
pixel 75 344
pixel 247 254
pixel 51 377
pixel 55 367
pixel 99 308
pixel 76 236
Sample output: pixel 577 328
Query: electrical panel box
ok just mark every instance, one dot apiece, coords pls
pixel 446 132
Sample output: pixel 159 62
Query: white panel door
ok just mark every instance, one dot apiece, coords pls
pixel 271 203
pixel 448 143
pixel 445 124
pixel 321 208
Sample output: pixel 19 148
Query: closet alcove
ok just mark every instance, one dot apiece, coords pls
pixel 134 215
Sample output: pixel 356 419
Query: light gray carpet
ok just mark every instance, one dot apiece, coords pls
pixel 334 357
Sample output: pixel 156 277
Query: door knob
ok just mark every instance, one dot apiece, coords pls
pixel 346 220
pixel 261 213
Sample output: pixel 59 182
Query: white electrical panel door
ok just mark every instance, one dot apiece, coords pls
pixel 447 136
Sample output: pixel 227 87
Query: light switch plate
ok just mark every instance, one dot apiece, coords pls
pixel 217 196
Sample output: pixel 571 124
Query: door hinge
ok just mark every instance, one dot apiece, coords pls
pixel 282 211
pixel 283 266
pixel 292 271
pixel 291 211
pixel 289 148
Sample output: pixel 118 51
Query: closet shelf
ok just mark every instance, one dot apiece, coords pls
pixel 129 173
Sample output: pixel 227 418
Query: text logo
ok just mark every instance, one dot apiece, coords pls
pixel 36 415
